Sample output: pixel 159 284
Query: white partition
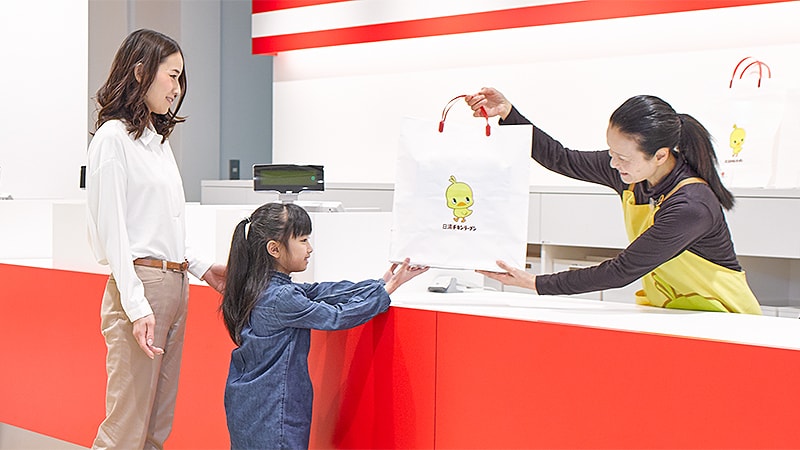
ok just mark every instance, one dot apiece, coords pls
pixel 348 246
pixel 71 247
pixel 225 220
pixel 26 230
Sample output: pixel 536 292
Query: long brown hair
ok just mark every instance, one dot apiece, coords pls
pixel 122 95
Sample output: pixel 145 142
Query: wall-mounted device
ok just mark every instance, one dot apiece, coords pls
pixel 233 169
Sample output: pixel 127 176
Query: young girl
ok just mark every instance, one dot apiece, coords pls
pixel 136 222
pixel 268 396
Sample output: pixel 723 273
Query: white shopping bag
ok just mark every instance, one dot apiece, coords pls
pixel 748 131
pixel 461 195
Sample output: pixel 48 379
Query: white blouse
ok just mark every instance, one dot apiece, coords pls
pixel 136 208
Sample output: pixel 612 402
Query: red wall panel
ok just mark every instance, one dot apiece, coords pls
pixel 53 371
pixel 374 384
pixel 513 384
pixel 414 379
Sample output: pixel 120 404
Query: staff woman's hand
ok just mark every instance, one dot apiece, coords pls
pixel 492 101
pixel 396 276
pixel 512 276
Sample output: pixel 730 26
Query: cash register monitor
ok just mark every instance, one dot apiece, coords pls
pixel 288 178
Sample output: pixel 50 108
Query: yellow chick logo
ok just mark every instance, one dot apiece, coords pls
pixel 737 139
pixel 459 199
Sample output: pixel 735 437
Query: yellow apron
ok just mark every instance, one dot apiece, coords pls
pixel 687 281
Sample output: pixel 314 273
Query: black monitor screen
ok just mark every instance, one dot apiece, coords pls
pixel 288 178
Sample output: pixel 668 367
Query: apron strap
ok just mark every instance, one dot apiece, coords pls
pixel 682 183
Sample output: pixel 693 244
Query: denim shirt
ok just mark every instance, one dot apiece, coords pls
pixel 268 395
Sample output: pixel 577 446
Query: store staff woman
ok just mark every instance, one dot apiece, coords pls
pixel 663 166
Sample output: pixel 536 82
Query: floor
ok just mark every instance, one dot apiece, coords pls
pixel 14 438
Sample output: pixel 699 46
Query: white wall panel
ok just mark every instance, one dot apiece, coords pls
pixel 43 91
pixel 342 106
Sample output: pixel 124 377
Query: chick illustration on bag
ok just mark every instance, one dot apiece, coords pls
pixel 737 140
pixel 459 199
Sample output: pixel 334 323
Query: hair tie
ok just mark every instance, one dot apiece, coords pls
pixel 246 227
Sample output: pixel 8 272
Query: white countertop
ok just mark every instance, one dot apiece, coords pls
pixel 776 332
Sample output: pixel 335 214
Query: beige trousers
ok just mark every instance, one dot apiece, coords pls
pixel 141 392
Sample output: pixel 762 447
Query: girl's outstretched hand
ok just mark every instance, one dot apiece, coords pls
pixel 400 273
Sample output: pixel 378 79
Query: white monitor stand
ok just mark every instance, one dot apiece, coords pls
pixel 310 205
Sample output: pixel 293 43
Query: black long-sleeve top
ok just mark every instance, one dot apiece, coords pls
pixel 691 219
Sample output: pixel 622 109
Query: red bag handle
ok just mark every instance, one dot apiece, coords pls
pixel 761 65
pixel 450 105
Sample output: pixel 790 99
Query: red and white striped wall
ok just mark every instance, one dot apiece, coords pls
pixel 284 25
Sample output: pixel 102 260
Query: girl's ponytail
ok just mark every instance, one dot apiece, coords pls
pixel 234 304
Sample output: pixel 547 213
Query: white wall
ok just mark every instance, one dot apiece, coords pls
pixel 342 106
pixel 43 90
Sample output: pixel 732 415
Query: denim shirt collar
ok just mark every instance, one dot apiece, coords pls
pixel 280 276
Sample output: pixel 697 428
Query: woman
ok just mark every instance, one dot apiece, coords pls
pixel 663 166
pixel 136 224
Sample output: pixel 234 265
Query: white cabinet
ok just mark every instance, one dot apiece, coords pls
pixel 534 210
pixel 587 220
pixel 581 226
pixel 766 226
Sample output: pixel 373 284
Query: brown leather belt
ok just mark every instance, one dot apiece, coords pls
pixel 162 264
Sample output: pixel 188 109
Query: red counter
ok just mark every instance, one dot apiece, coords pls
pixel 418 377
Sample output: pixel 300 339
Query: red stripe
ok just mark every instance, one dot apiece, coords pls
pixel 486 21
pixel 260 6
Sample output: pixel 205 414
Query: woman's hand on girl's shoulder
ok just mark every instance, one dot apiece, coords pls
pixel 215 276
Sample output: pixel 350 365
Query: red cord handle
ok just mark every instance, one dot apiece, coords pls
pixel 450 105
pixel 761 65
